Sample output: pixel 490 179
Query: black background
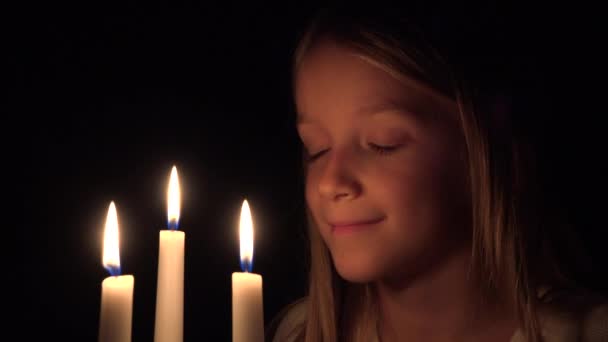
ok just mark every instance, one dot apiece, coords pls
pixel 106 97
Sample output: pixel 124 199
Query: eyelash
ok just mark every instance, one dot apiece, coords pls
pixel 313 157
pixel 383 150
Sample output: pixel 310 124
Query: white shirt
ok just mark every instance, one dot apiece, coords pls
pixel 567 324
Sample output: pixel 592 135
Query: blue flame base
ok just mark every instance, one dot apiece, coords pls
pixel 114 270
pixel 246 265
pixel 172 225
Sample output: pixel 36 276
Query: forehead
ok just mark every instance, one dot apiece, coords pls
pixel 335 78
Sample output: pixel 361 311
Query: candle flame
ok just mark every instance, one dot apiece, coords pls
pixel 246 238
pixel 173 200
pixel 111 257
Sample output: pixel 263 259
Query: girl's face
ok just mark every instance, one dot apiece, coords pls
pixel 385 181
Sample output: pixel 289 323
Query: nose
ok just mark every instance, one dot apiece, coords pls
pixel 337 179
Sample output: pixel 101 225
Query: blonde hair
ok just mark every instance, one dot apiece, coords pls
pixel 513 254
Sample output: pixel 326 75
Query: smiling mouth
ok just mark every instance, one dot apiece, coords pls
pixel 352 227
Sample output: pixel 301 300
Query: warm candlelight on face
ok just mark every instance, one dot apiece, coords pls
pixel 247 303
pixel 117 291
pixel 170 287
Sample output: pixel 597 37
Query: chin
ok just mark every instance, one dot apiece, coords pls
pixel 357 269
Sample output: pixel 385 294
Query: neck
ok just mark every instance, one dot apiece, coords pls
pixel 441 304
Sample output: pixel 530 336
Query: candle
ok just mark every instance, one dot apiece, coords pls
pixel 247 308
pixel 169 325
pixel 116 290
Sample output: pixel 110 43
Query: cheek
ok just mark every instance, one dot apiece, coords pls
pixel 308 187
pixel 313 202
pixel 418 192
pixel 410 200
pixel 311 191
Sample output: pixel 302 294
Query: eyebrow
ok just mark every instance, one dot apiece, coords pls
pixel 382 107
pixel 370 110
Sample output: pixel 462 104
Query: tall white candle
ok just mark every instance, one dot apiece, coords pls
pixel 116 290
pixel 169 325
pixel 247 302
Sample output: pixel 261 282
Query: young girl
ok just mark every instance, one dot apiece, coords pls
pixel 424 221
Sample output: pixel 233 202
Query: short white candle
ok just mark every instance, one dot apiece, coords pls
pixel 116 290
pixel 169 325
pixel 247 302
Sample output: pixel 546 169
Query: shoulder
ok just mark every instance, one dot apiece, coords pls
pixel 575 316
pixel 289 323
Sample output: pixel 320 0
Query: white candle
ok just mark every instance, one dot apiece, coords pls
pixel 116 290
pixel 247 303
pixel 169 325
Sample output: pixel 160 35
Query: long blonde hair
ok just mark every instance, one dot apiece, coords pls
pixel 513 253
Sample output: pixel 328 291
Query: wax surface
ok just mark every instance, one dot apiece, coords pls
pixel 169 325
pixel 116 309
pixel 247 308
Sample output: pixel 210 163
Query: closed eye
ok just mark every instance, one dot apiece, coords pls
pixel 383 149
pixel 314 156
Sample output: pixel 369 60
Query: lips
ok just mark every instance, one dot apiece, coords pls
pixel 348 226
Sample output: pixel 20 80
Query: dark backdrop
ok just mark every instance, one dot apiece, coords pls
pixel 106 97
